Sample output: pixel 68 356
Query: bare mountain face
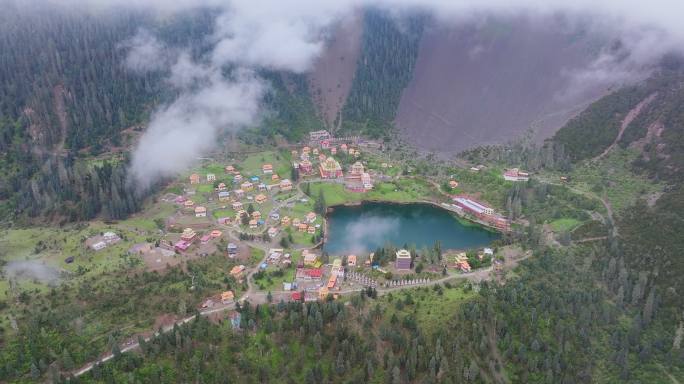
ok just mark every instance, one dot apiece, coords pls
pixel 331 78
pixel 488 82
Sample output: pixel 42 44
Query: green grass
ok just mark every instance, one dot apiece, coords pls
pixel 565 224
pixel 613 178
pixel 401 191
pixel 430 309
pixel 223 213
pixel 205 188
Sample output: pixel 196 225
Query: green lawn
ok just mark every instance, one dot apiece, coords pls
pixel 205 188
pixel 400 191
pixel 223 213
pixel 565 224
pixel 429 308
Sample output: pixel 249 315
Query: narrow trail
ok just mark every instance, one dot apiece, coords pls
pixel 631 115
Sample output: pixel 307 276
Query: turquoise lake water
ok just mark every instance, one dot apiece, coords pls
pixel 363 228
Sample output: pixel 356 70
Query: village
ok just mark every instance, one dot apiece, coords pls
pixel 262 215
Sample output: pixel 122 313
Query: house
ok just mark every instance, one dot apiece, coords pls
pixel 254 179
pixel 205 239
pixel 463 265
pixel 323 292
pixel 302 227
pixel 285 185
pixel 310 217
pixel 472 206
pixel 294 153
pixel 482 212
pixel 239 193
pixel 256 215
pixel 224 196
pixel 235 319
pixel 343 148
pixel 285 221
pixel 99 245
pixel 221 187
pixel 237 178
pixel 188 235
pixel 237 270
pixel 260 198
pixel 333 150
pixel 316 137
pixel 515 174
pixel 275 216
pixel 330 169
pixel 356 168
pixel 232 249
pixel 110 237
pixel 309 257
pixel 296 222
pixel 403 261
pixel 351 260
pixel 194 178
pixel 182 246
pixel 366 181
pixel 247 186
pixel 224 220
pixel 453 184
pixel 296 296
pixel 253 223
pixel 305 167
pixel 275 177
pixel 216 233
pixel 200 211
pixel 211 177
pixel 309 273
pixel 288 286
pixel 262 187
pixel 311 230
pixel 267 169
pixel 237 206
pixel 272 232
pixel 306 150
pixel 488 252
pixel 230 169
pixel 189 204
pixel 227 297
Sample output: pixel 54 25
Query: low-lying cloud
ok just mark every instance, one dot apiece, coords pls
pixel 290 35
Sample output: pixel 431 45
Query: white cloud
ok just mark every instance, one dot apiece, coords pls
pixel 289 35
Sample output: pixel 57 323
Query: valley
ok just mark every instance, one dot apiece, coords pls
pixel 337 192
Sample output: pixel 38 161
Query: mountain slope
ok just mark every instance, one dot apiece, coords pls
pixel 488 82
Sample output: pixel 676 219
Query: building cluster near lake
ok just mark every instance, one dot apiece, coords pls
pixel 259 199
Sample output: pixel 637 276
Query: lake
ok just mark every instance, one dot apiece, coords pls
pixel 363 228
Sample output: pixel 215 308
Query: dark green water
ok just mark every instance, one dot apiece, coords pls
pixel 364 228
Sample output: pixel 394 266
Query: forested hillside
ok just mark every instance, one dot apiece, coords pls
pixel 66 94
pixel 388 55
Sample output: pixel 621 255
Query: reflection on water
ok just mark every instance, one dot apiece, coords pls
pixel 361 229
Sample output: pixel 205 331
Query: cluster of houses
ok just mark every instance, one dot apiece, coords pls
pixel 306 224
pixel 190 237
pixel 357 178
pixel 98 243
